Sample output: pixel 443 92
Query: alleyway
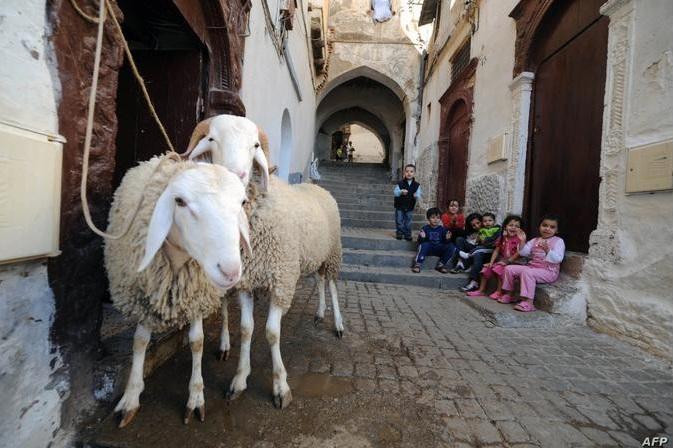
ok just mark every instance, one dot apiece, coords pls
pixel 417 367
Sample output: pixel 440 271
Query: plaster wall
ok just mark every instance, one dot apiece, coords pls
pixel 629 271
pixel 32 384
pixel 368 148
pixel 493 45
pixel 385 48
pixel 268 89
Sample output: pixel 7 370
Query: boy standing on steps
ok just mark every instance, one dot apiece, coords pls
pixel 406 192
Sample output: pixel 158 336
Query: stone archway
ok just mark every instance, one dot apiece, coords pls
pixel 355 92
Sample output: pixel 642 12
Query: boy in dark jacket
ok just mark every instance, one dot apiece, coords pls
pixel 434 240
pixel 406 192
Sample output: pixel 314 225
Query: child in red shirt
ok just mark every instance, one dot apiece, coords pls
pixel 454 220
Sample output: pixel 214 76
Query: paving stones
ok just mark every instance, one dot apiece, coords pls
pixel 421 354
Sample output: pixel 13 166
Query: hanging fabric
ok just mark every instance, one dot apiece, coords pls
pixel 382 10
pixel 287 9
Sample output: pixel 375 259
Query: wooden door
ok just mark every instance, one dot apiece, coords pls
pixel 453 155
pixel 564 157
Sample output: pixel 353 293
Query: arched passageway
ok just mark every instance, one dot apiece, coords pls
pixel 368 99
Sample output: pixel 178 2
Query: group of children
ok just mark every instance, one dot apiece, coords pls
pixel 479 245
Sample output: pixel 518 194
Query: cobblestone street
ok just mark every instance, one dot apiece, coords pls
pixel 416 368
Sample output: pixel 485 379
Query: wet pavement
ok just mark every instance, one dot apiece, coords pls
pixel 416 368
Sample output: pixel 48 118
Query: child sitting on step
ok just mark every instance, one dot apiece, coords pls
pixel 505 253
pixel 454 220
pixel 488 234
pixel 467 242
pixel 434 240
pixel 546 253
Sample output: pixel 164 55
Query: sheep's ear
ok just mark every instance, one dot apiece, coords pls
pixel 244 228
pixel 160 225
pixel 200 131
pixel 261 158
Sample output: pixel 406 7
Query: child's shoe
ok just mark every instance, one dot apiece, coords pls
pixel 398 236
pixel 525 306
pixel 495 296
pixel 416 268
pixel 476 293
pixel 471 286
pixel 506 298
pixel 441 268
pixel 408 238
pixel 463 255
pixel 458 268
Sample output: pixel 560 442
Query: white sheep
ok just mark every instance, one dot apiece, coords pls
pixel 181 252
pixel 295 231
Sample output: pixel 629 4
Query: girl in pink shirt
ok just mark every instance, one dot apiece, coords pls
pixel 546 254
pixel 506 252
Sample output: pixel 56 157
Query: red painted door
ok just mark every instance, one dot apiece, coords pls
pixel 453 154
pixel 564 157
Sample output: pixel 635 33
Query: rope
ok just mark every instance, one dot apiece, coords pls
pixel 91 109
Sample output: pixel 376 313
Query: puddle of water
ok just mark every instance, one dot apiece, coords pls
pixel 317 385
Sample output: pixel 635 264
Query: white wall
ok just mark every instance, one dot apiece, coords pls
pixel 368 148
pixel 629 270
pixel 31 390
pixel 267 88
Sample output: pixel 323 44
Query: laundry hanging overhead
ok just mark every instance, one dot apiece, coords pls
pixel 382 10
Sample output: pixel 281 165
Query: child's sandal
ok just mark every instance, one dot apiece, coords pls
pixel 441 268
pixel 525 306
pixel 416 268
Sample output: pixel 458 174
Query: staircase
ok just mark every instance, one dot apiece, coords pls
pixel 370 251
pixel 372 254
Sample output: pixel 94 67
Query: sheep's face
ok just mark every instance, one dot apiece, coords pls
pixel 233 142
pixel 201 211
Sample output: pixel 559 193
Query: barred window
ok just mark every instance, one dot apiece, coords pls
pixel 460 60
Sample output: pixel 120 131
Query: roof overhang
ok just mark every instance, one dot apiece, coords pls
pixel 428 12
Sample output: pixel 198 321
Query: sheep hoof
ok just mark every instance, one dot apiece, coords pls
pixel 127 416
pixel 232 395
pixel 317 320
pixel 188 415
pixel 339 334
pixel 223 355
pixel 282 401
pixel 201 410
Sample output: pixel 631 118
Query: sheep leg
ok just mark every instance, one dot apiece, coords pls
pixel 130 401
pixel 239 383
pixel 225 345
pixel 282 396
pixel 338 321
pixel 320 312
pixel 196 398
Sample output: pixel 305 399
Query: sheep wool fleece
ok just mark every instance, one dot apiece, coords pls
pixel 155 297
pixel 294 230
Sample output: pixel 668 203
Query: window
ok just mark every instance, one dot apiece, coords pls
pixel 460 60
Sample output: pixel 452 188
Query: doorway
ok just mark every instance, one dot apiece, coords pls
pixel 570 53
pixel 453 155
pixel 172 60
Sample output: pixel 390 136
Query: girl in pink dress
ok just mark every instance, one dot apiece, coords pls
pixel 546 254
pixel 506 252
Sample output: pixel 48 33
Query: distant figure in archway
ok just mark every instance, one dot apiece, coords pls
pixel 350 149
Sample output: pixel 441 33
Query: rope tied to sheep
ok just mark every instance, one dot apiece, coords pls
pixel 173 155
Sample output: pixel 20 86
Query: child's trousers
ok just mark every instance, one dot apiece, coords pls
pixel 443 251
pixel 529 276
pixel 403 222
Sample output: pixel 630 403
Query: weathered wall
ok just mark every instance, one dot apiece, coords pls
pixel 493 45
pixel 368 148
pixel 629 270
pixel 267 89
pixel 387 53
pixel 31 385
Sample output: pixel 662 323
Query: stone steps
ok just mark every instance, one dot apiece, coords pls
pixel 428 277
pixel 372 254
